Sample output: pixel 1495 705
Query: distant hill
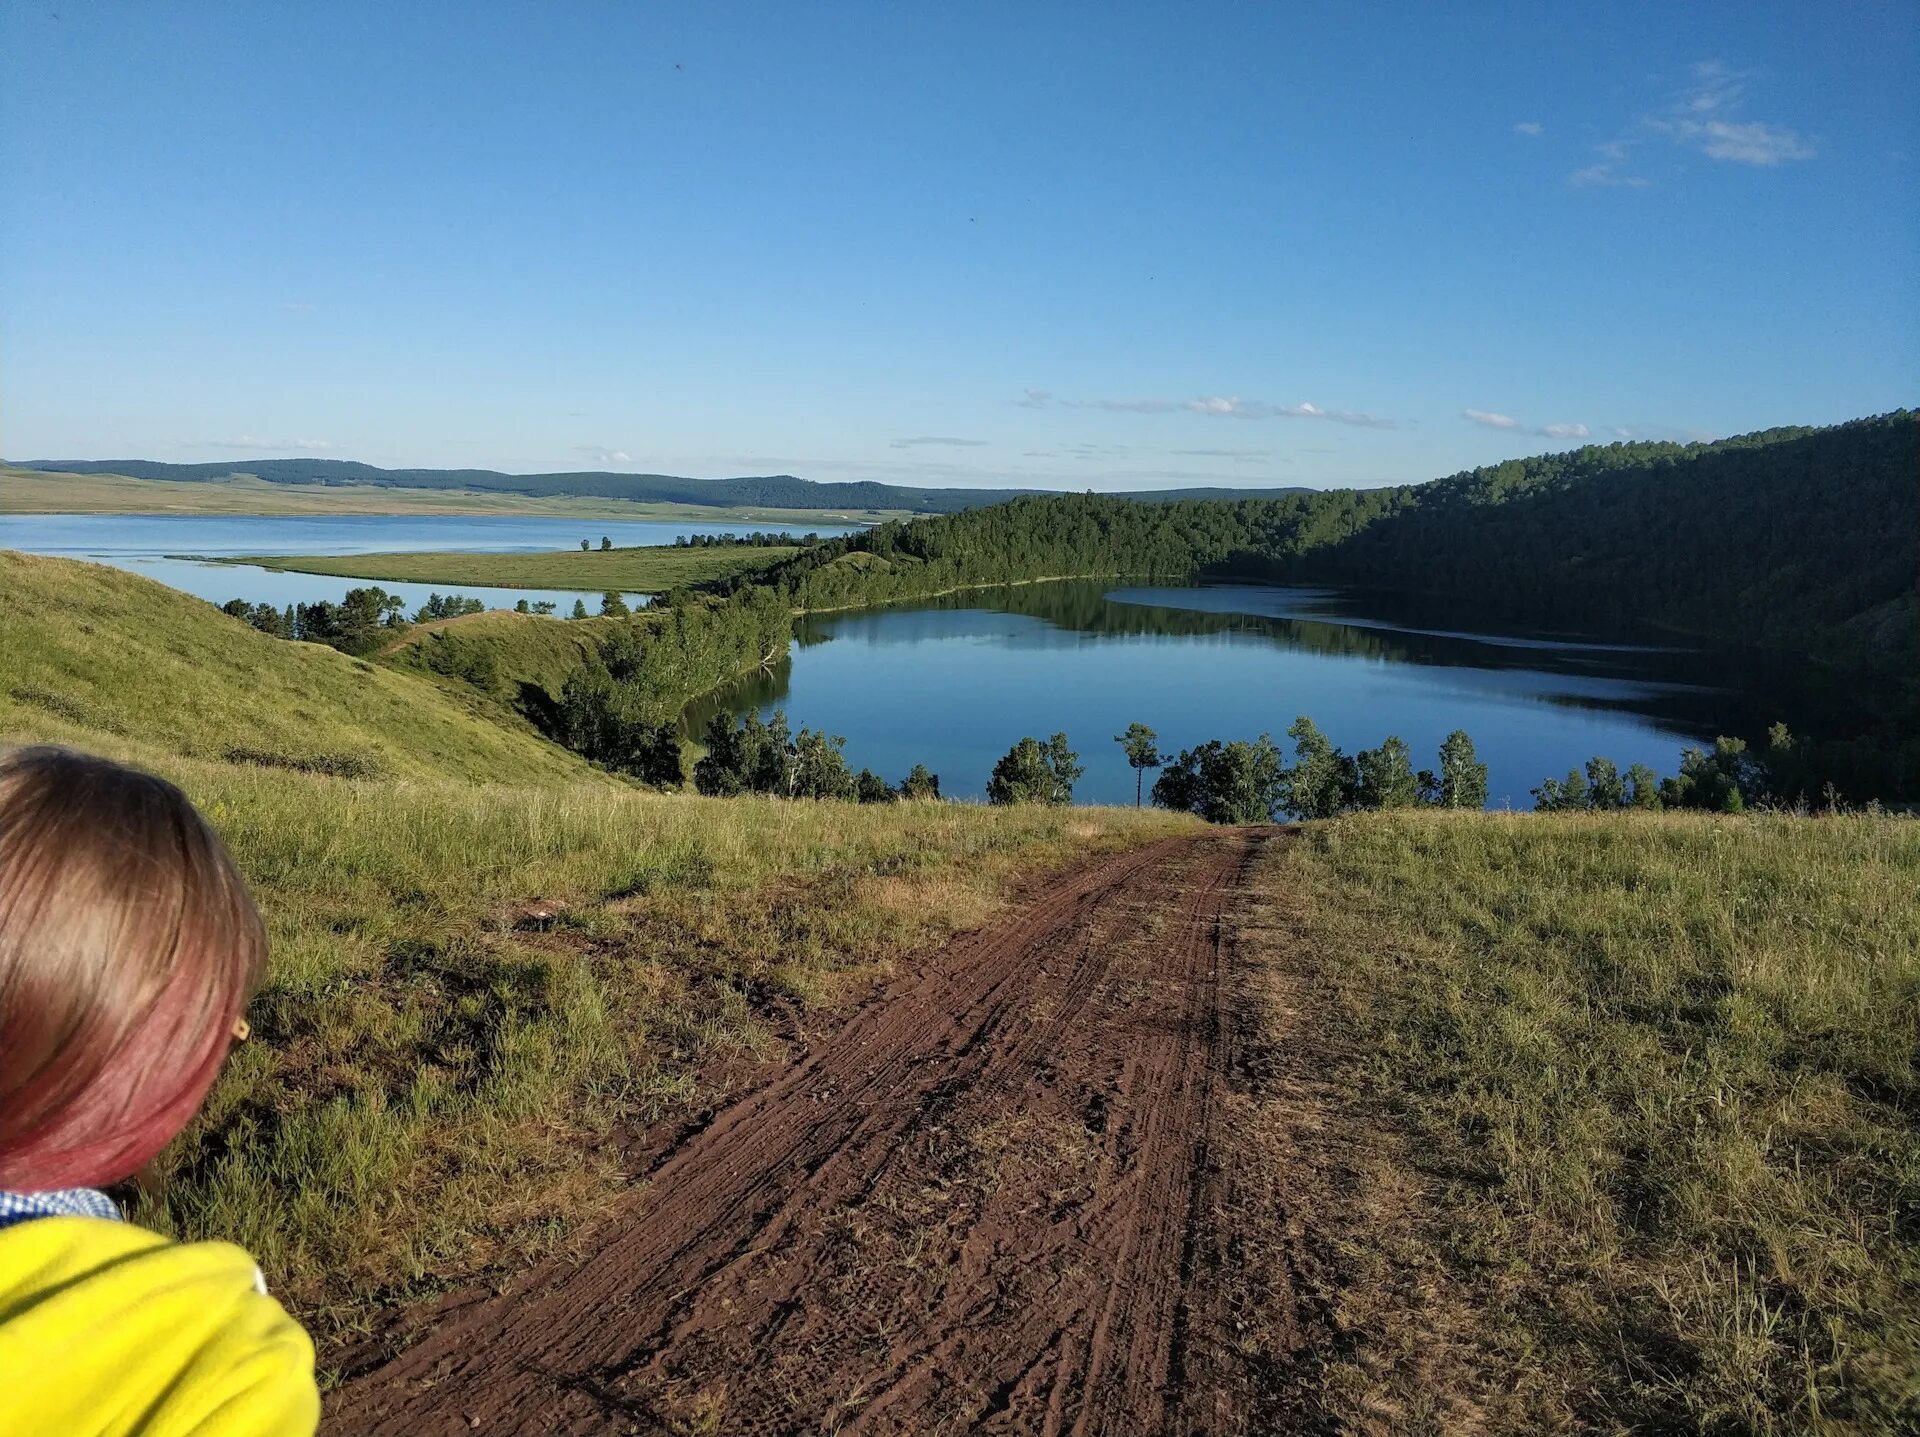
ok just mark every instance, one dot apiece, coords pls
pixel 767 491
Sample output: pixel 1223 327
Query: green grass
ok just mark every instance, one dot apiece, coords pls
pixel 647 569
pixel 527 648
pixel 435 1094
pixel 87 650
pixel 33 491
pixel 1657 1076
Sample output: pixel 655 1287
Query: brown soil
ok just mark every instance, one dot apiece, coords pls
pixel 993 1201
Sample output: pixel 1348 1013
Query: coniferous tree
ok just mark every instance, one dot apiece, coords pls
pixel 921 783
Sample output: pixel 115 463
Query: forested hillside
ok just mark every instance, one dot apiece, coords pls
pixel 1791 538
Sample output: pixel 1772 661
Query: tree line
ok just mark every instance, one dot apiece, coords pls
pixel 757 540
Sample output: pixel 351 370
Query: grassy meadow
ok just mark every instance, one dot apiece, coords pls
pixel 1644 1093
pixel 35 491
pixel 86 649
pixel 642 569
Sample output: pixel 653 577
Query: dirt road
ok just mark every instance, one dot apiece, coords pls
pixel 984 1204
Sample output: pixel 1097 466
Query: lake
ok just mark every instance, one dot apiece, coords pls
pixel 151 544
pixel 953 683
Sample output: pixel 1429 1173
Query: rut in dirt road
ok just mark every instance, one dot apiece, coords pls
pixel 980 1206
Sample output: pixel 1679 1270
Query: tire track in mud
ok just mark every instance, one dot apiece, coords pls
pixel 977 1207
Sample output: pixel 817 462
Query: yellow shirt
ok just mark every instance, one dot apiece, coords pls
pixel 107 1330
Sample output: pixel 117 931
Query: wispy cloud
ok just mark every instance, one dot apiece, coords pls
pixel 602 455
pixel 1607 173
pixel 1241 455
pixel 294 306
pixel 944 440
pixel 271 446
pixel 1489 419
pixel 1705 116
pixel 1220 407
pixel 1533 129
pixel 1035 399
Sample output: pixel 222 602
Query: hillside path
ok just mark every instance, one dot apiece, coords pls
pixel 983 1204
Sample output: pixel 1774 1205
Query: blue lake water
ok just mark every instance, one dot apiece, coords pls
pixel 151 544
pixel 954 683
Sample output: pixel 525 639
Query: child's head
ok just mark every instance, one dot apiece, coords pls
pixel 128 948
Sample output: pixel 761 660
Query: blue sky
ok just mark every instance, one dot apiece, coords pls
pixel 1080 246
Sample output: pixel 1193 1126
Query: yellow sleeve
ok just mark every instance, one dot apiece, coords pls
pixel 110 1331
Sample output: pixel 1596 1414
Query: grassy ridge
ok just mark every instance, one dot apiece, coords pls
pixel 1656 1078
pixel 643 569
pixel 88 650
pixel 526 648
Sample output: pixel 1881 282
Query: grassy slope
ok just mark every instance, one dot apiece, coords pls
pixel 85 648
pixel 648 569
pixel 1651 1082
pixel 434 1093
pixel 532 648
pixel 33 491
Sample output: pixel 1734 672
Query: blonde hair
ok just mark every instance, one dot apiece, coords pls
pixel 128 949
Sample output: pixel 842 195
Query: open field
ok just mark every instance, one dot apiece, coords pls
pixel 1590 1124
pixel 647 569
pixel 33 491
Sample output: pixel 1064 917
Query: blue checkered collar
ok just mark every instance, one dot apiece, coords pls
pixel 65 1202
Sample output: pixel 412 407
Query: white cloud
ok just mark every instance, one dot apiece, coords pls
pixel 1751 144
pixel 602 455
pixel 1223 407
pixel 299 307
pixel 938 439
pixel 1704 116
pixel 1607 173
pixel 1531 128
pixel 1489 419
pixel 1035 399
pixel 270 446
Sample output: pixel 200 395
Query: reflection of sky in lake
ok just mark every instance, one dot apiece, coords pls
pixel 953 687
pixel 156 545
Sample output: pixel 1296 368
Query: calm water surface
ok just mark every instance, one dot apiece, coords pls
pixel 954 683
pixel 153 545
